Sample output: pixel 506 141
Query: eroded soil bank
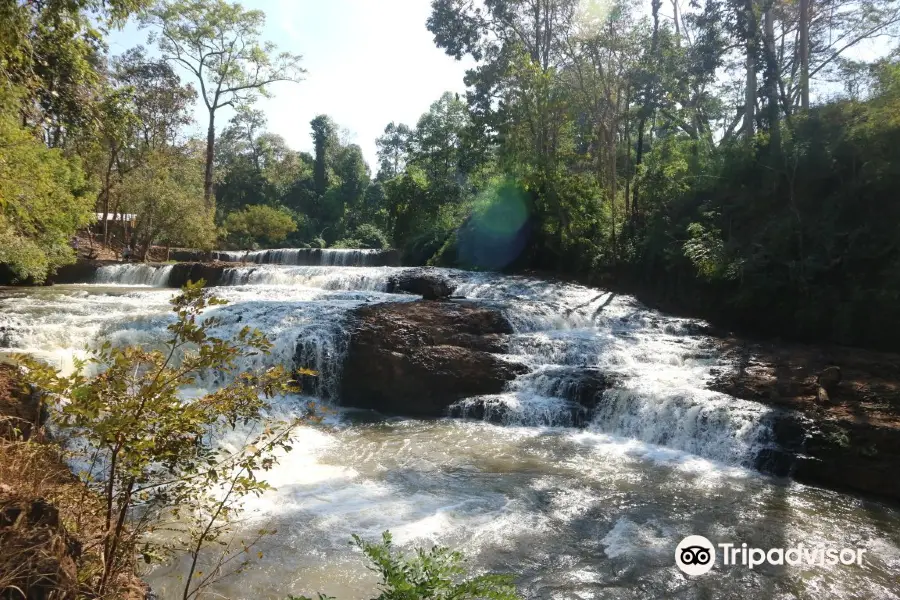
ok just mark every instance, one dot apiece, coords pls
pixel 49 524
pixel 843 410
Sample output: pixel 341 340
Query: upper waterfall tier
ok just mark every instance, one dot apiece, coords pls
pixel 330 257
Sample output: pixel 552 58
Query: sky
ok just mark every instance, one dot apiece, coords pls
pixel 368 62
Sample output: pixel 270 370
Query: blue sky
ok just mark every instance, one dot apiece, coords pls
pixel 369 62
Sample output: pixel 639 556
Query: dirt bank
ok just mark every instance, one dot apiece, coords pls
pixel 49 524
pixel 841 427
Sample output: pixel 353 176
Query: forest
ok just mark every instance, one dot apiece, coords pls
pixel 733 158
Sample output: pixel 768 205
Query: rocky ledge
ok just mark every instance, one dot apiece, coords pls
pixel 425 282
pixel 418 358
pixel 837 412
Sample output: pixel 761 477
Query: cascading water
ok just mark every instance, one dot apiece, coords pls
pixel 346 278
pixel 592 511
pixel 660 396
pixel 350 257
pixel 134 274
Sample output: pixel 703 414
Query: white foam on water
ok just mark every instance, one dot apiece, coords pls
pixel 630 539
pixel 572 511
pixel 660 369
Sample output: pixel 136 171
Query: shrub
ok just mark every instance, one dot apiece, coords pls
pixel 438 574
pixel 149 452
pixel 370 236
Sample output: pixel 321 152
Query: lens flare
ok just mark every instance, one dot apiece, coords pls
pixel 497 233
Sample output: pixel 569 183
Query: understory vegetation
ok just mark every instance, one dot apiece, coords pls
pixel 435 574
pixel 148 458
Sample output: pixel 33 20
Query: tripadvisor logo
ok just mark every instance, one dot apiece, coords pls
pixel 696 555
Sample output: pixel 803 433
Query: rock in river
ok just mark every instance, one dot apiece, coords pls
pixel 427 283
pixel 418 358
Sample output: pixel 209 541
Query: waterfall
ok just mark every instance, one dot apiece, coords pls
pixel 598 361
pixel 609 364
pixel 331 257
pixel 594 463
pixel 326 278
pixel 133 274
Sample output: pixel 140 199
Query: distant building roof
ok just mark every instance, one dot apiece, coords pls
pixel 117 217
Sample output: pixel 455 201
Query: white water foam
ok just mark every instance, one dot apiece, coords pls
pixel 659 367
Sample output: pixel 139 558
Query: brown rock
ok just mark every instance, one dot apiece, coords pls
pixel 418 358
pixel 837 427
pixel 423 282
pixel 829 378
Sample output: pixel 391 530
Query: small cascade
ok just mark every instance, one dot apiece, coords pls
pixel 133 274
pixel 704 423
pixel 328 257
pixel 607 363
pixel 519 408
pixel 326 278
pixel 305 326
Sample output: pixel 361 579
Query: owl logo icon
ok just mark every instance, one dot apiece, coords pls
pixel 695 555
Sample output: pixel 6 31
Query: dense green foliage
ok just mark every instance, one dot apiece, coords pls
pixel 50 101
pixel 681 157
pixel 44 199
pixel 436 574
pixel 258 224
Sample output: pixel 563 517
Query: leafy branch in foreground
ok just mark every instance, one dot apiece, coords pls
pixel 438 574
pixel 150 453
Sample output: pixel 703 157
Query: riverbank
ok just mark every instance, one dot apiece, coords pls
pixel 50 527
pixel 843 430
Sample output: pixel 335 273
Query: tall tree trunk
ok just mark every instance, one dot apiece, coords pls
pixel 613 171
pixel 750 65
pixel 210 154
pixel 107 184
pixel 627 152
pixel 639 158
pixel 676 18
pixel 804 54
pixel 772 109
pixel 649 99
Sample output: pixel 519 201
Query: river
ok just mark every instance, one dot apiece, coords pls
pixel 588 512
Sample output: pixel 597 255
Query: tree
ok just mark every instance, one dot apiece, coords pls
pixel 219 44
pixel 166 193
pixel 352 174
pixel 143 112
pixel 255 167
pixel 160 103
pixel 150 452
pixel 393 150
pixel 324 134
pixel 437 143
pixel 44 200
pixel 259 224
pixel 804 54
